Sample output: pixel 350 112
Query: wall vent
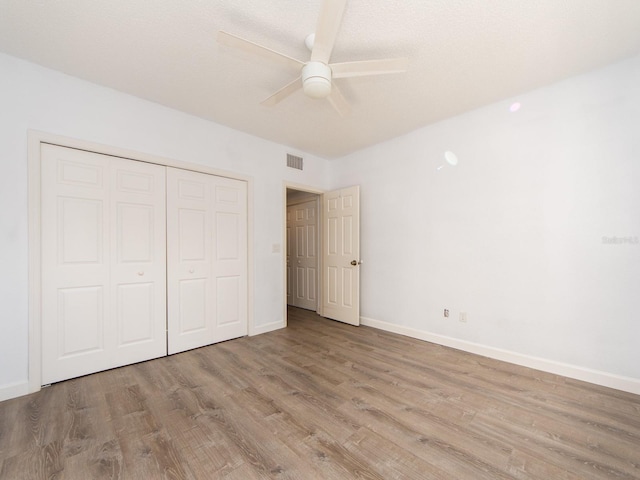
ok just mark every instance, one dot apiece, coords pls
pixel 294 161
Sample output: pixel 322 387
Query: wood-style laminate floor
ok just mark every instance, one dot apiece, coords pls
pixel 317 400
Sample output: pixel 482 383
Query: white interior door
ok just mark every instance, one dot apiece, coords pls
pixel 207 259
pixel 230 287
pixel 288 247
pixel 189 260
pixel 304 254
pixel 138 260
pixel 341 255
pixel 103 262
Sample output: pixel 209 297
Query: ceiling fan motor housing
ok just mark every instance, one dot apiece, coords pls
pixel 316 79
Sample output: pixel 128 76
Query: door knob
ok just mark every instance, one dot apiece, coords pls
pixel 354 263
pixel 141 273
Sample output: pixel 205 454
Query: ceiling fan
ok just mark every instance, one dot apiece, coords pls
pixel 316 75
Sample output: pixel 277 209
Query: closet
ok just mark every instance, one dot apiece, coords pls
pixel 138 261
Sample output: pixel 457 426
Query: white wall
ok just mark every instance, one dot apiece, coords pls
pixel 32 97
pixel 512 235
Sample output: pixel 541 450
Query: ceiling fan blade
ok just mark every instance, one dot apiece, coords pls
pixel 236 42
pixel 338 101
pixel 369 67
pixel 327 29
pixel 283 93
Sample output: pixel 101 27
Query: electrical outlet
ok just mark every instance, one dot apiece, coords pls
pixel 463 317
pixel 446 313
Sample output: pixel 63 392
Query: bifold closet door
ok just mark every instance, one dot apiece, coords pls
pixel 103 262
pixel 206 259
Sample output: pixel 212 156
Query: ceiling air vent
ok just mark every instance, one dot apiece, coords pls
pixel 294 162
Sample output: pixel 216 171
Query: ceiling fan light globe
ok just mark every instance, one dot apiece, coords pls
pixel 316 80
pixel 317 87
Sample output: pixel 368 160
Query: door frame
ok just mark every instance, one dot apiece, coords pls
pixel 301 188
pixel 35 139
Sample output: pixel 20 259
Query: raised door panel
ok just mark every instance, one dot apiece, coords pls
pixel 332 295
pixel 80 231
pixel 229 292
pixel 299 257
pixel 309 261
pixel 80 321
pixel 311 270
pixel 193 308
pixel 228 232
pixel 300 241
pixel 135 315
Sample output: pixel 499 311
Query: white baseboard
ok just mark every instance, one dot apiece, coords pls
pixel 269 327
pixel 626 384
pixel 14 390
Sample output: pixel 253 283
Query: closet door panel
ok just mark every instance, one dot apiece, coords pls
pixel 189 232
pixel 138 259
pixel 75 263
pixel 230 258
pixel 207 259
pixel 103 262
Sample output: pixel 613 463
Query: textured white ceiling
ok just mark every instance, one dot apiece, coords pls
pixel 462 54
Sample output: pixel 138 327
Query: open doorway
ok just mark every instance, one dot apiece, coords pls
pixel 335 281
pixel 302 249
